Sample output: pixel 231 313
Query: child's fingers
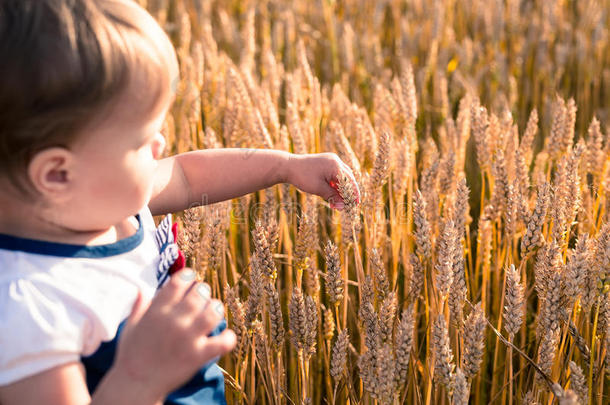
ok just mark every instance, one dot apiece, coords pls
pixel 195 300
pixel 350 174
pixel 179 284
pixel 335 201
pixel 335 198
pixel 219 345
pixel 208 319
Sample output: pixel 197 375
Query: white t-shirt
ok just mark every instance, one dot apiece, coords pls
pixel 59 302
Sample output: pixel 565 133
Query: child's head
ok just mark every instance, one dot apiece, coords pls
pixel 84 86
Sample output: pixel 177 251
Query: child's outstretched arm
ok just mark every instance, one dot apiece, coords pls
pixel 212 175
pixel 161 347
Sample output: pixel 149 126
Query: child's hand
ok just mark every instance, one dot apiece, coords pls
pixel 318 174
pixel 166 342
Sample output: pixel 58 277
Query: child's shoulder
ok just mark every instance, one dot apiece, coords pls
pixel 67 278
pixel 39 329
pixel 55 309
pixel 131 261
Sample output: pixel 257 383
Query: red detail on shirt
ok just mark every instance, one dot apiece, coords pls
pixel 180 261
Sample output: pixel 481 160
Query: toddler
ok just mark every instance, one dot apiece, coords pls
pixel 88 313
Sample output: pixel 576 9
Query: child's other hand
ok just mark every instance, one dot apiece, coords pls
pixel 318 174
pixel 166 341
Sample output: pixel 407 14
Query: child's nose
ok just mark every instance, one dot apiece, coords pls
pixel 158 145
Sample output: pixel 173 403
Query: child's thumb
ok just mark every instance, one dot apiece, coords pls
pixel 218 345
pixel 137 311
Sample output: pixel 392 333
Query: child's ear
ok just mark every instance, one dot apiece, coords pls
pixel 50 171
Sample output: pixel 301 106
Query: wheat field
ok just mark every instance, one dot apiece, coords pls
pixel 476 267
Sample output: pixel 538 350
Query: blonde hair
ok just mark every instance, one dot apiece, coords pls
pixel 66 65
